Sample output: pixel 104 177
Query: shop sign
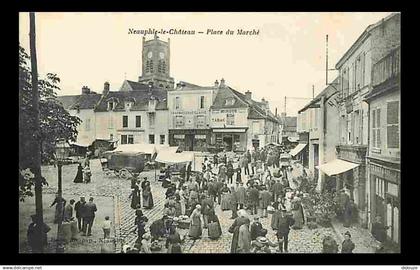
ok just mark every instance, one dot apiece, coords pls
pixel 200 137
pixel 393 189
pixel 189 112
pixel 179 136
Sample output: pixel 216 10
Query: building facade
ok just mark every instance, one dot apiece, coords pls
pixel 383 161
pixel 355 69
pixel 137 113
pixel 189 116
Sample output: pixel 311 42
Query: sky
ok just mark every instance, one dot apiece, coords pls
pixel 286 59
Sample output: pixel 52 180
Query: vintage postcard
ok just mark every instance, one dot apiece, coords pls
pixel 231 132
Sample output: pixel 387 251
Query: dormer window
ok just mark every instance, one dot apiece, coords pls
pixel 230 101
pixel 111 105
pixel 128 105
pixel 152 103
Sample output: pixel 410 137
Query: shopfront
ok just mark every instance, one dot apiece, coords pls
pixel 385 195
pixel 190 139
pixel 229 139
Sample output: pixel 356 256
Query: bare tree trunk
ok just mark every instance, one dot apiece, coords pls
pixel 36 147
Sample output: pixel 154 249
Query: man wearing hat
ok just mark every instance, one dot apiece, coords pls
pixel 256 228
pixel 37 237
pixel 283 227
pixel 79 208
pixel 347 246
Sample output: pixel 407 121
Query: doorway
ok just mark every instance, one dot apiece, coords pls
pixel 228 142
pixel 189 142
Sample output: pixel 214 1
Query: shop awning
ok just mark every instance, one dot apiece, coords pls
pixel 136 148
pixel 229 130
pixel 82 142
pixel 297 149
pixel 293 139
pixel 336 166
pixel 168 156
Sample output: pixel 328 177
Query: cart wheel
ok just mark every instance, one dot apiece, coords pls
pixel 124 174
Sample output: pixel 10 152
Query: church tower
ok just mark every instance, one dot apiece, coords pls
pixel 156 63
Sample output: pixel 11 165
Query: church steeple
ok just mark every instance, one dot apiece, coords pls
pixel 156 63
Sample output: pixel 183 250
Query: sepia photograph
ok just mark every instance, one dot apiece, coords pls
pixel 209 132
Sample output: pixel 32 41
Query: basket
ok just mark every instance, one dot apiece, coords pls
pixel 270 209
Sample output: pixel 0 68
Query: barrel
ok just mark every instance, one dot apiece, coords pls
pixel 74 230
pixel 65 232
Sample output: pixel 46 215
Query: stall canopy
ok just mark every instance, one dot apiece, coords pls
pixel 136 148
pixel 169 156
pixel 336 166
pixel 82 142
pixel 297 149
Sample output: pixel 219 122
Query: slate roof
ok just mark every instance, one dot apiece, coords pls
pixel 140 98
pixel 137 86
pixel 255 109
pixel 326 92
pixel 83 101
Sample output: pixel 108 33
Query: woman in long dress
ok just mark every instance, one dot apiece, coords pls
pixel 297 213
pixel 59 203
pixel 225 204
pixel 147 196
pixel 79 175
pixel 135 197
pixel 173 242
pixel 195 231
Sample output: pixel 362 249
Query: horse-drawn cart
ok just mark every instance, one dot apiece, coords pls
pixel 123 164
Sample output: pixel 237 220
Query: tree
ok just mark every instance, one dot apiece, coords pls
pixel 55 123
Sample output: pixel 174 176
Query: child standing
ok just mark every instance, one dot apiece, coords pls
pixel 106 227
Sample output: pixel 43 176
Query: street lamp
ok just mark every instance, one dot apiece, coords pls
pixel 61 153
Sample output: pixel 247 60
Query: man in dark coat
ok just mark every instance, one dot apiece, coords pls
pixel 37 237
pixel 188 171
pixel 242 219
pixel 212 190
pixel 182 172
pixel 238 176
pixel 254 197
pixel 241 196
pixel 206 206
pixel 347 246
pixel 277 190
pixel 79 209
pixel 90 209
pixel 283 227
pixel 219 185
pixel 256 228
pixel 379 230
pixel 234 204
pixel 230 172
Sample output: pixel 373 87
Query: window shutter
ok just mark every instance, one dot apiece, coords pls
pixel 392 112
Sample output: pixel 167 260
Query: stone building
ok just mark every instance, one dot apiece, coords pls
pixel 383 160
pixel 156 63
pixel 355 71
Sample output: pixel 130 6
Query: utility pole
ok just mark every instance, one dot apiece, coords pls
pixel 36 146
pixel 313 91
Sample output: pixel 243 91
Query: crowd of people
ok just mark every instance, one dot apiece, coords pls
pixel 250 186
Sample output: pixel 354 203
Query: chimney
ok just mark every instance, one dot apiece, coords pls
pixel 216 84
pixel 106 88
pixel 85 90
pixel 248 95
pixel 222 82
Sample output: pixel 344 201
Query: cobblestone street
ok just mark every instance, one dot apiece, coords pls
pixel 111 194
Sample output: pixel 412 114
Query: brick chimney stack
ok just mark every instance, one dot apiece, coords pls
pixel 248 95
pixel 216 84
pixel 85 90
pixel 222 82
pixel 106 88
